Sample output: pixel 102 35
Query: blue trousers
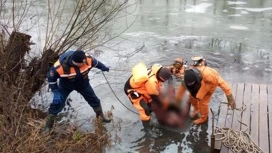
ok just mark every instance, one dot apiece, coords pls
pixel 87 92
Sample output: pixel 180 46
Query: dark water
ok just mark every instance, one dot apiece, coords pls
pixel 233 36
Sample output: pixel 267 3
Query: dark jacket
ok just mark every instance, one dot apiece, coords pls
pixel 71 76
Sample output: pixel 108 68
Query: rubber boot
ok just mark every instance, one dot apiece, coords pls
pixel 99 112
pixel 50 120
pixel 204 112
pixel 194 102
pixel 147 129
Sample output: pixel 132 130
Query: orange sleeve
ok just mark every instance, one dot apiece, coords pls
pixel 152 87
pixel 224 86
pixel 210 75
pixel 217 80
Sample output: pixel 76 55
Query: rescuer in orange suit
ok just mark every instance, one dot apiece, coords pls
pixel 201 82
pixel 143 92
pixel 177 68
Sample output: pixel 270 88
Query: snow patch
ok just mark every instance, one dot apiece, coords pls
pixel 236 3
pixel 201 8
pixel 253 9
pixel 235 15
pixel 244 12
pixel 238 27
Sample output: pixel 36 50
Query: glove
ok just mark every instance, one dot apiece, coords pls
pixel 57 97
pixel 231 101
pixel 105 69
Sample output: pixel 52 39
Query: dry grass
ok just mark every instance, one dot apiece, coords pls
pixel 21 126
pixel 22 130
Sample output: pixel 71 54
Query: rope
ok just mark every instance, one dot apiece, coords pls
pixel 237 141
pixel 116 95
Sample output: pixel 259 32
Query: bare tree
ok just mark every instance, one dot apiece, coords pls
pixel 85 25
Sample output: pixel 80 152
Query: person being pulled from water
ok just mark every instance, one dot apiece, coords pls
pixel 171 113
pixel 143 89
pixel 201 82
pixel 72 70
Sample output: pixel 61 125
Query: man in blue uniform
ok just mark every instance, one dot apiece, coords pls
pixel 72 71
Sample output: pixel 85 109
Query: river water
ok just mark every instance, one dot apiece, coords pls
pixel 235 37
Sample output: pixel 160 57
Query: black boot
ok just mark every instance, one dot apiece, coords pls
pixel 99 112
pixel 50 119
pixel 147 129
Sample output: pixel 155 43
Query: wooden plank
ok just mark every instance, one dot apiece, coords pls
pixel 254 124
pixel 223 111
pixel 247 104
pixel 270 114
pixel 236 125
pixel 229 117
pixel 230 112
pixel 238 92
pixel 263 126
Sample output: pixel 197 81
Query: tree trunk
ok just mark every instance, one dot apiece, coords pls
pixel 19 81
pixel 13 56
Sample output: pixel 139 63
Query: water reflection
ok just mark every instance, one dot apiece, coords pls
pixel 234 36
pixel 193 139
pixel 171 17
pixel 199 143
pixel 228 34
pixel 184 28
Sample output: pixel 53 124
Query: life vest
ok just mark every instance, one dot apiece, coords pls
pixel 194 89
pixel 141 76
pixel 66 71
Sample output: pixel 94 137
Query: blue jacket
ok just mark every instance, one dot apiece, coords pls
pixel 71 76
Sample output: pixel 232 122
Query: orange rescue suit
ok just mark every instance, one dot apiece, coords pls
pixel 140 94
pixel 210 80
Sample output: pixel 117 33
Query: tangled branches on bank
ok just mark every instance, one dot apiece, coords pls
pixel 21 125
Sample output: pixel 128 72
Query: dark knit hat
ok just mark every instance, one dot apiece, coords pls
pixel 190 78
pixel 78 56
pixel 164 73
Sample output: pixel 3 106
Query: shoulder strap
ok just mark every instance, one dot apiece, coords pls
pixel 198 74
pixel 65 66
pixel 149 73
